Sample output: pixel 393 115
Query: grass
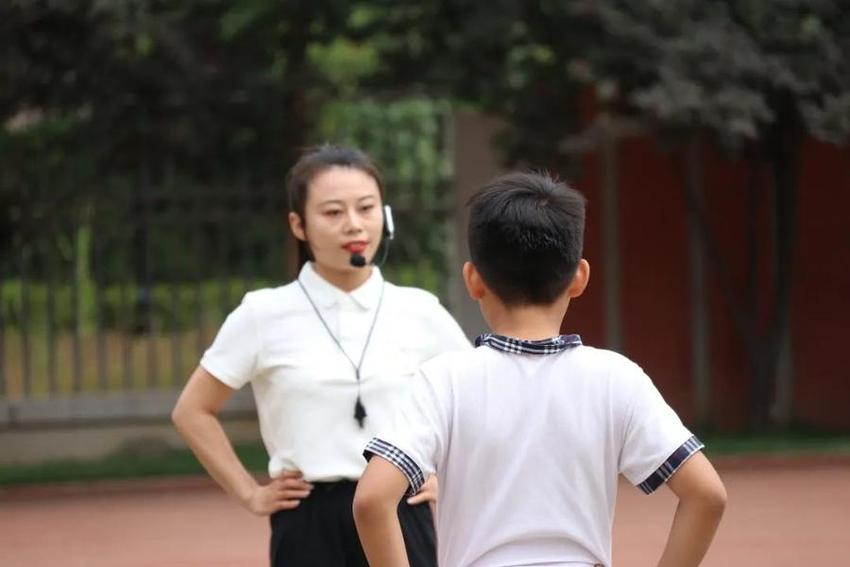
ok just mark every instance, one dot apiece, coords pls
pixel 124 465
pixel 794 442
pixel 181 462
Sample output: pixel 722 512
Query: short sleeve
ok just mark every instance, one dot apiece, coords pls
pixel 655 442
pixel 415 440
pixel 232 357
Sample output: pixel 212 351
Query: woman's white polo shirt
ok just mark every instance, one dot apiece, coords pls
pixel 305 389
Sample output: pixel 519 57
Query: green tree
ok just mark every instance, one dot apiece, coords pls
pixel 118 96
pixel 189 81
pixel 114 109
pixel 504 57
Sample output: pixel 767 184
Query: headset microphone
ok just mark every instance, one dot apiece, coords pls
pixel 357 260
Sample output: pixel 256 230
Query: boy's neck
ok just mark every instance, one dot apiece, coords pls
pixel 527 322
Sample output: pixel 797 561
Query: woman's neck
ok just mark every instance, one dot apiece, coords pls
pixel 346 280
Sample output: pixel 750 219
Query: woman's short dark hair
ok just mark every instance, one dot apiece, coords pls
pixel 526 233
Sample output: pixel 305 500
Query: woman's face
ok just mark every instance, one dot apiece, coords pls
pixel 343 216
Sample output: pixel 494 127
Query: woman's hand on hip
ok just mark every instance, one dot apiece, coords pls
pixel 284 492
pixel 427 493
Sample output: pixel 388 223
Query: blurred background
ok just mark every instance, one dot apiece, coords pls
pixel 143 147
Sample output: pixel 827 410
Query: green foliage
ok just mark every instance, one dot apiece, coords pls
pixel 196 81
pixel 504 57
pixel 732 68
pixel 406 138
pixel 126 116
pixel 344 62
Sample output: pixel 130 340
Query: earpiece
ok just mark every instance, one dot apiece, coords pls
pixel 389 225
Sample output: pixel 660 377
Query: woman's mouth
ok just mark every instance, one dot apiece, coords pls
pixel 355 247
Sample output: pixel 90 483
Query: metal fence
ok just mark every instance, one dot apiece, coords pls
pixel 109 295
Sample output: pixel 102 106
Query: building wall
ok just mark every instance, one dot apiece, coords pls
pixel 656 278
pixel 821 294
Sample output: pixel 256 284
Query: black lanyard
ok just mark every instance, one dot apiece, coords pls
pixel 359 410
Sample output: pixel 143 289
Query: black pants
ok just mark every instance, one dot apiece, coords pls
pixel 320 532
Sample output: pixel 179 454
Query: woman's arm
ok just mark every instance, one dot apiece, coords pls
pixel 428 493
pixel 196 418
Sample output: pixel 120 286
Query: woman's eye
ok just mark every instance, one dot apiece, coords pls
pixel 333 213
pixel 367 208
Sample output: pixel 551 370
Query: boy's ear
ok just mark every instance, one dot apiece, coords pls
pixel 296 226
pixel 580 279
pixel 474 284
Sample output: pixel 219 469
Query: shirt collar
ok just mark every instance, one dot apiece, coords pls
pixel 518 346
pixel 326 294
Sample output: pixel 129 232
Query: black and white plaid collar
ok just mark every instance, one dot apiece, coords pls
pixel 518 346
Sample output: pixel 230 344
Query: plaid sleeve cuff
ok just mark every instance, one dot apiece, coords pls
pixel 398 458
pixel 663 473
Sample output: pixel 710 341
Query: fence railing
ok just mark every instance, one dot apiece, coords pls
pixel 108 297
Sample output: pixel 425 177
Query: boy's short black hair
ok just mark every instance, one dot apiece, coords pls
pixel 526 232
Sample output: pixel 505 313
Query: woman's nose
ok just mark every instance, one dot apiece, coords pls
pixel 353 222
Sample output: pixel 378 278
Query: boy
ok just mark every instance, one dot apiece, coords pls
pixel 528 432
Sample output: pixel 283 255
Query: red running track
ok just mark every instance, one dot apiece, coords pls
pixel 780 514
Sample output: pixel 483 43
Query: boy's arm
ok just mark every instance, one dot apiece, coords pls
pixel 702 499
pixel 376 501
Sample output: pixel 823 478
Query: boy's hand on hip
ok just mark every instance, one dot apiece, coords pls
pixel 428 492
pixel 284 492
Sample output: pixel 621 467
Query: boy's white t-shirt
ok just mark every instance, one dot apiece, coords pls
pixel 305 388
pixel 527 439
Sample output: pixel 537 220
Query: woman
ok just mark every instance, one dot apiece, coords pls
pixel 328 356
